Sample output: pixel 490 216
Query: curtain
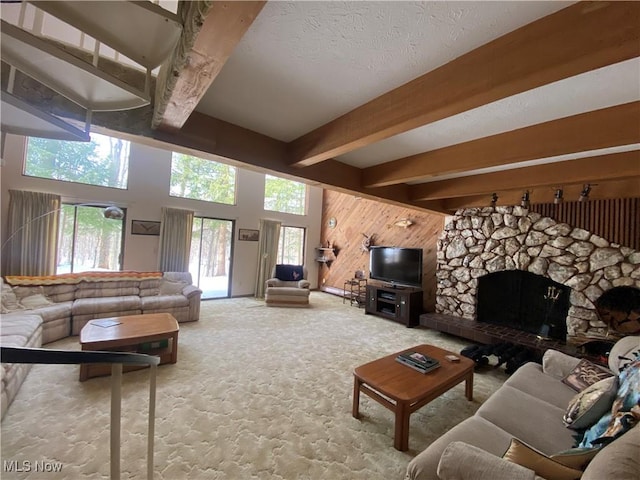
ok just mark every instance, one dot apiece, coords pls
pixel 267 253
pixel 32 228
pixel 175 240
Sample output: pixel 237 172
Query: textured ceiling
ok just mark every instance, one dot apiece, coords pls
pixel 302 64
pixel 396 100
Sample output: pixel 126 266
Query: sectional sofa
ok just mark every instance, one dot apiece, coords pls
pixel 519 434
pixel 40 310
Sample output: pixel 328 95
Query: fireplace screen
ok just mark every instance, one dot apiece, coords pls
pixel 524 301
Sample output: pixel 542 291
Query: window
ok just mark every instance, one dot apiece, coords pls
pixel 287 196
pixel 291 246
pixel 193 177
pixel 104 161
pixel 88 241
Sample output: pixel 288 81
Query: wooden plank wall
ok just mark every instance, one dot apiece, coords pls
pixel 356 216
pixel 617 220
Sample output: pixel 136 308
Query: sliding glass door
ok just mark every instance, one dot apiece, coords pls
pixel 210 256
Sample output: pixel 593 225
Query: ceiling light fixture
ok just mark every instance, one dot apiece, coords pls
pixel 525 203
pixel 494 199
pixel 558 197
pixel 584 194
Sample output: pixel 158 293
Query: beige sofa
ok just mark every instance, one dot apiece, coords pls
pixel 40 310
pixel 288 287
pixel 528 407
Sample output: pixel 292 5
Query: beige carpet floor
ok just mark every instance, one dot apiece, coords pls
pixel 258 392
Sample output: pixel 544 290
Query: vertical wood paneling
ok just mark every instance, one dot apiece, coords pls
pixel 616 220
pixel 356 216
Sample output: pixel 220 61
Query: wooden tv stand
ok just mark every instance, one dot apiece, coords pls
pixel 401 304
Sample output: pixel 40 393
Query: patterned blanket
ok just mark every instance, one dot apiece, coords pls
pixel 74 278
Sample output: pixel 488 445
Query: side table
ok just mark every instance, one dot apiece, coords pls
pixel 355 290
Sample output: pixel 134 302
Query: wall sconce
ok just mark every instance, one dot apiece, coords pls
pixel 403 222
pixel 494 199
pixel 558 197
pixel 525 203
pixel 584 194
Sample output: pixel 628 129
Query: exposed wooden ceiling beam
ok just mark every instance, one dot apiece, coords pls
pixel 583 170
pixel 626 188
pixel 550 49
pixel 608 127
pixel 199 57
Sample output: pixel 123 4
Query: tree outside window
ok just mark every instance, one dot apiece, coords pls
pixel 287 196
pixel 199 179
pixel 104 161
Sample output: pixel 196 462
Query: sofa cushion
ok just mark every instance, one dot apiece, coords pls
pixel 474 431
pixel 168 287
pixel 588 406
pixel 35 301
pixel 528 457
pixel 528 418
pixel 9 299
pixel 558 364
pixel 54 311
pixel 530 379
pixel 107 289
pixel 163 301
pixel 620 459
pixel 105 305
pixel 624 352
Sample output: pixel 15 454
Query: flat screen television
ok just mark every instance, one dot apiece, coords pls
pixel 396 265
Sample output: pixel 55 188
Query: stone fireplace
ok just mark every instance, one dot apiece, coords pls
pixel 477 242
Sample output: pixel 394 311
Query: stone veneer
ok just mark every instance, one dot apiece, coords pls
pixel 477 241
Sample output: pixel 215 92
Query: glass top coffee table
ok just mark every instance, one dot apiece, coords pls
pixel 404 390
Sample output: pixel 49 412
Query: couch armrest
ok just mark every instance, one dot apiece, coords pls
pixel 461 461
pixel 273 282
pixel 304 284
pixel 558 364
pixel 191 290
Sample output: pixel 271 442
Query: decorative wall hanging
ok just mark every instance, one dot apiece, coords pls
pixel 248 235
pixel 145 227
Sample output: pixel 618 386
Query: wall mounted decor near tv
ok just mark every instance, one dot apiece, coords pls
pixel 396 265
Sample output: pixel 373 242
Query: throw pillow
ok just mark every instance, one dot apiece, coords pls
pixel 171 288
pixel 289 273
pixel 35 301
pixel 526 456
pixel 9 299
pixel 584 374
pixel 577 458
pixel 624 413
pixel 588 406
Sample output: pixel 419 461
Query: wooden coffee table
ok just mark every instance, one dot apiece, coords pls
pixel 151 333
pixel 403 390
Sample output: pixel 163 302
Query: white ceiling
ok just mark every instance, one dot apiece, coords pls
pixel 302 64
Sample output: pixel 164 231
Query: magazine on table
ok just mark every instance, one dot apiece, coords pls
pixel 418 361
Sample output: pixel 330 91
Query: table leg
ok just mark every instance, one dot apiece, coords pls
pixel 401 437
pixel 174 348
pixel 468 390
pixel 356 397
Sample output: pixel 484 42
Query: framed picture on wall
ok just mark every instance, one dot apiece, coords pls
pixel 248 235
pixel 145 227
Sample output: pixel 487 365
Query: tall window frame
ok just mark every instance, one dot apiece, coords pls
pixel 102 162
pixel 79 249
pixel 201 179
pixel 285 196
pixel 291 245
